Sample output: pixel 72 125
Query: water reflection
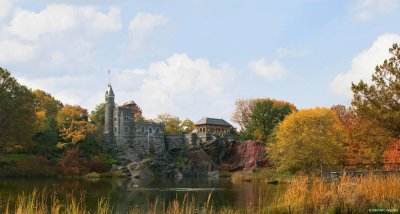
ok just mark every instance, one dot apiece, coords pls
pixel 125 194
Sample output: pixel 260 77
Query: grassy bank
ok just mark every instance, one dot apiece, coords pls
pixel 268 175
pixel 29 165
pixel 13 157
pixel 303 195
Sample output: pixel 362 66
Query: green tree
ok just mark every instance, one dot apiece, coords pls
pixel 46 129
pixel 258 117
pixel 98 115
pixel 380 101
pixel 17 113
pixel 266 115
pixel 308 139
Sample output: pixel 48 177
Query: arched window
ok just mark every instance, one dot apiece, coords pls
pixel 126 130
pixel 157 130
pixel 126 118
pixel 150 130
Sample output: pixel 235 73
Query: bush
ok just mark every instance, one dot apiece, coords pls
pixel 98 164
pixel 35 166
pixel 73 162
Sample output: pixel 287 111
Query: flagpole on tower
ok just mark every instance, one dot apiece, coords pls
pixel 109 77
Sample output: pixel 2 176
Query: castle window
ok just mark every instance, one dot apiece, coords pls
pixel 126 118
pixel 126 130
pixel 150 130
pixel 157 130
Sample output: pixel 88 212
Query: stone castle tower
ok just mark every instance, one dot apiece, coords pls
pixel 132 139
pixel 123 132
pixel 109 117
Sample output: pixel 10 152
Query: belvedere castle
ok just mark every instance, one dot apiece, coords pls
pixel 133 140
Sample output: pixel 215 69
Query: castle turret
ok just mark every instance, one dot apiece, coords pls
pixel 109 117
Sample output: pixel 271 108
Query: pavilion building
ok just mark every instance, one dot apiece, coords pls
pixel 213 126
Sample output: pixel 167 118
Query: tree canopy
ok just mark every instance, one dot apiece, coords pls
pixel 175 126
pixel 74 125
pixel 379 102
pixel 307 139
pixel 259 117
pixel 17 112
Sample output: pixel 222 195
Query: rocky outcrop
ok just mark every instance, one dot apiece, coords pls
pixel 201 160
pixel 188 163
pixel 198 164
pixel 218 148
pixel 247 155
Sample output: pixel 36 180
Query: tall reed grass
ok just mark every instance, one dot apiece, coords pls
pixel 302 195
pixel 348 195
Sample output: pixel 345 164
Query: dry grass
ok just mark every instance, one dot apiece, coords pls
pixel 303 195
pixel 44 202
pixel 349 195
pixel 238 177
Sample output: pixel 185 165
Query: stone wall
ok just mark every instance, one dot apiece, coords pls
pixel 149 144
pixel 175 141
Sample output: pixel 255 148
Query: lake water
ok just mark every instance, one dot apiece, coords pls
pixel 125 194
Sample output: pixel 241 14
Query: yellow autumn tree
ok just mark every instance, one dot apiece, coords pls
pixel 307 140
pixel 74 125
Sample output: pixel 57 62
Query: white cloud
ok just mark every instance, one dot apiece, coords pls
pixel 12 51
pixel 5 8
pixel 365 10
pixel 273 71
pixel 60 18
pixel 181 86
pixel 58 38
pixel 142 26
pixel 184 87
pixel 363 65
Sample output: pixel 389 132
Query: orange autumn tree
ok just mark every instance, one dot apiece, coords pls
pixel 366 141
pixel 391 156
pixel 74 125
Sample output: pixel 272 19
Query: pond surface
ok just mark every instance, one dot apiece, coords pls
pixel 125 194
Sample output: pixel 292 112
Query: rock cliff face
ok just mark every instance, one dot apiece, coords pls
pixel 195 161
pixel 218 149
pixel 173 164
pixel 247 155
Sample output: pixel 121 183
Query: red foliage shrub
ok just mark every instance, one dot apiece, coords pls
pixel 248 155
pixel 73 162
pixel 391 156
pixel 98 164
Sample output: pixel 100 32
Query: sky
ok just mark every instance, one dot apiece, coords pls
pixel 195 58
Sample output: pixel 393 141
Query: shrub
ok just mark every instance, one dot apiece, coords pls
pixel 73 162
pixel 98 164
pixel 35 166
